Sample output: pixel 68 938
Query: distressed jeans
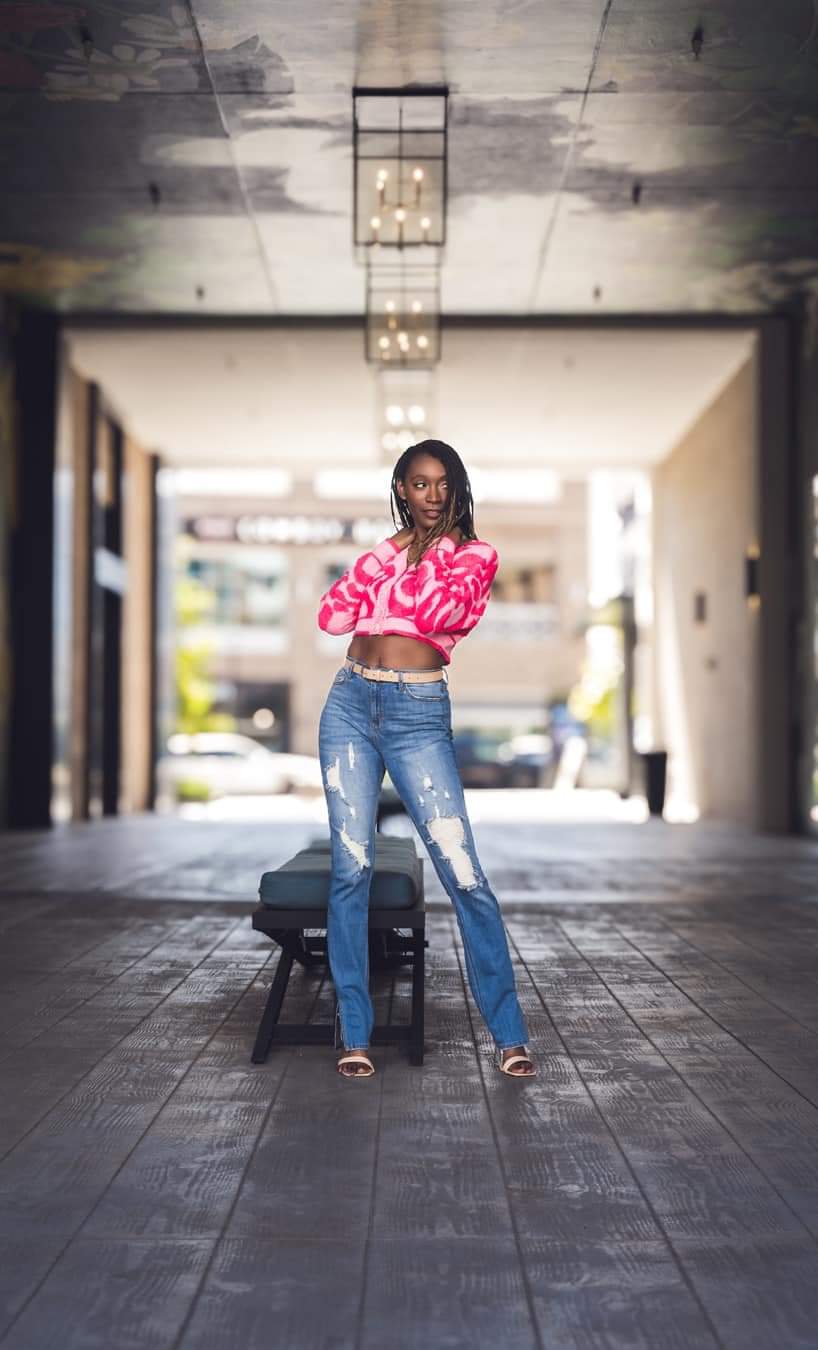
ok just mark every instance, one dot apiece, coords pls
pixel 367 726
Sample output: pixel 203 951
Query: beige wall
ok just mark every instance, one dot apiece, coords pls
pixel 706 674
pixel 137 619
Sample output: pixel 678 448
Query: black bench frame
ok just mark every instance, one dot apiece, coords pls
pixel 287 928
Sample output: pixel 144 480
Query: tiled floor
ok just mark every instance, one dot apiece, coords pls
pixel 655 1187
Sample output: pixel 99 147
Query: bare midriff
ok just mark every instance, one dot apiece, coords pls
pixel 389 650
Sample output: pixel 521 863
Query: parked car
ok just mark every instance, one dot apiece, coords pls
pixel 225 763
pixel 532 759
pixel 488 760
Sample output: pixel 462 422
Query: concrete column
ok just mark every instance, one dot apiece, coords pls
pixel 804 580
pixel 35 358
pixel 779 579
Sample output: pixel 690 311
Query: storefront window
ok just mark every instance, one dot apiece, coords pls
pixel 248 589
pixel 527 585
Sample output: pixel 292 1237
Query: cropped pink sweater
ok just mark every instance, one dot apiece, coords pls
pixel 437 600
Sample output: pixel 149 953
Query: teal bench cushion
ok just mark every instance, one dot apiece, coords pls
pixel 303 881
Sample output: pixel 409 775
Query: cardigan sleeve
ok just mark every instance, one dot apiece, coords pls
pixel 453 585
pixel 338 607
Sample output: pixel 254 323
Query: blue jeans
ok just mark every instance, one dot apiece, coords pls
pixel 365 727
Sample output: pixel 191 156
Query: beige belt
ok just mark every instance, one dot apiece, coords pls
pixel 378 673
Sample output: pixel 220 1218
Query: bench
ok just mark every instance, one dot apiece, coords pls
pixel 293 903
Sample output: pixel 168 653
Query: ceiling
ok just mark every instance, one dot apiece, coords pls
pixel 240 114
pixel 301 397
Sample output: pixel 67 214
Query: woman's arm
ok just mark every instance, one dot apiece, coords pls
pixel 453 585
pixel 338 607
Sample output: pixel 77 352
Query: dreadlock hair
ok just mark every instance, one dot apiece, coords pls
pixel 459 507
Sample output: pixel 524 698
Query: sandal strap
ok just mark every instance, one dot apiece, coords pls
pixel 356 1059
pixel 505 1064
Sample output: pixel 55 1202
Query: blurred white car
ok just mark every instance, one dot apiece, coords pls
pixel 228 763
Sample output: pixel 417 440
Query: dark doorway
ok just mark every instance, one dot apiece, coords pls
pixel 107 584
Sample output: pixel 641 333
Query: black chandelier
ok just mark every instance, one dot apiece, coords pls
pixel 399 232
pixel 402 316
pixel 400 167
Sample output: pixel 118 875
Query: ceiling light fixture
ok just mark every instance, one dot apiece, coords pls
pixel 400 165
pixel 405 407
pixel 402 301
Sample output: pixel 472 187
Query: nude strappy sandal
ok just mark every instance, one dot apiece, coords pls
pixel 356 1057
pixel 505 1066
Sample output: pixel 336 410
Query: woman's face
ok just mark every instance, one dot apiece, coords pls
pixel 425 490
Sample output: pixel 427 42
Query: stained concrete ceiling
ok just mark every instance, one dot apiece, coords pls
pixel 240 115
pixel 301 397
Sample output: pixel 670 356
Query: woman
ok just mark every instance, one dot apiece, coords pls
pixel 409 600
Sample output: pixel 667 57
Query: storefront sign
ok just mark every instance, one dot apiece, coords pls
pixel 283 529
pixel 518 622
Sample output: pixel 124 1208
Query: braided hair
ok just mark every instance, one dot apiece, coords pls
pixel 459 508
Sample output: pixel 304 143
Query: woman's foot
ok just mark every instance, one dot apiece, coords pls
pixel 355 1064
pixel 524 1066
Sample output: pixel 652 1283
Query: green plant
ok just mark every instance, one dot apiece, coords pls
pixel 195 688
pixel 191 790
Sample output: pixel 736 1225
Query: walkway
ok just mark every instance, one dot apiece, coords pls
pixel 655 1187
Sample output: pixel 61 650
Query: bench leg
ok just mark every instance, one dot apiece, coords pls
pixel 272 1008
pixel 418 990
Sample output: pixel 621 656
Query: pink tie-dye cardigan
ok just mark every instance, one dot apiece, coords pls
pixel 437 601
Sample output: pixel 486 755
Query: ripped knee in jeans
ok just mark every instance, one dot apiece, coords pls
pixel 356 848
pixel 449 833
